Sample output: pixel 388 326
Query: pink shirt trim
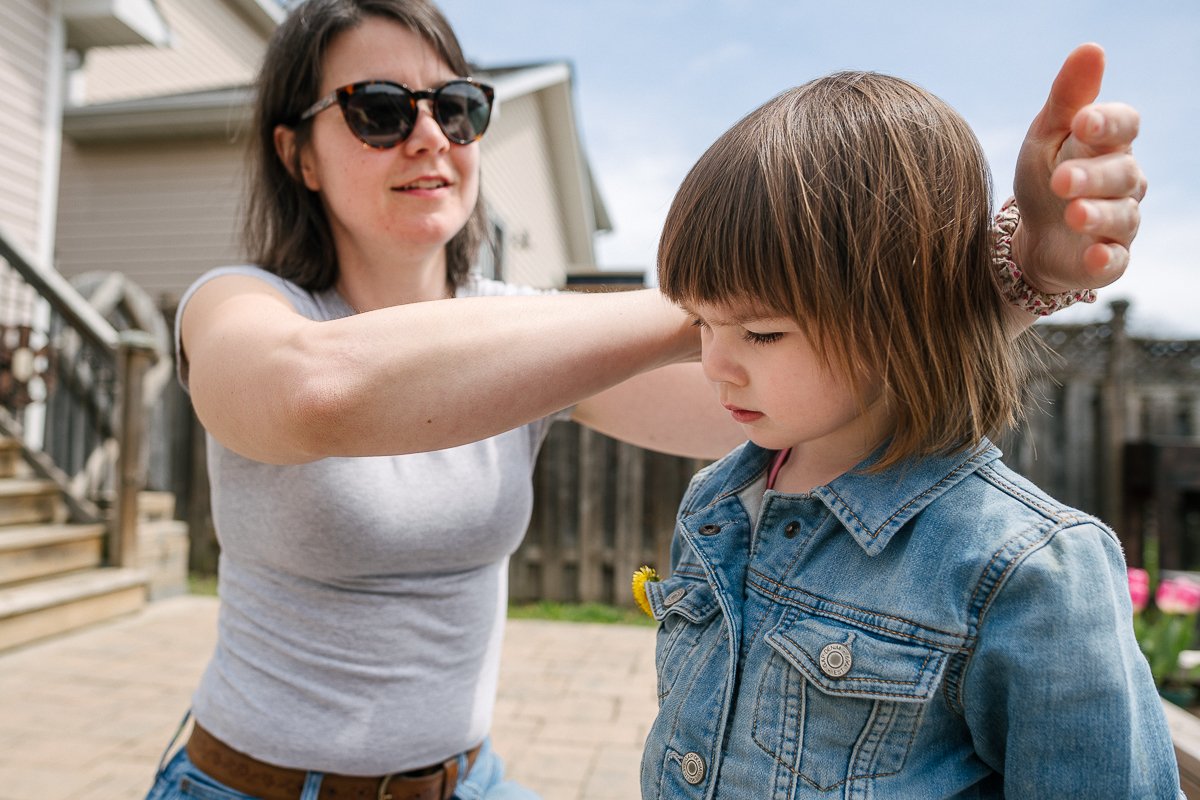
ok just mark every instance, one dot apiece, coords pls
pixel 780 459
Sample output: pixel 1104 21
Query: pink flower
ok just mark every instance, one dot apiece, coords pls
pixel 1177 596
pixel 1139 588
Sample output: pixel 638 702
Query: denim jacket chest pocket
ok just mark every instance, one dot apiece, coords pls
pixel 839 701
pixel 685 608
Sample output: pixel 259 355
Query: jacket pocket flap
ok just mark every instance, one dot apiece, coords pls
pixel 691 599
pixel 846 659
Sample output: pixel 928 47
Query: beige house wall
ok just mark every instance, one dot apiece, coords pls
pixel 162 212
pixel 214 45
pixel 519 186
pixel 24 43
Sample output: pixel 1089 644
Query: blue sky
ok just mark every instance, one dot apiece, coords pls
pixel 656 81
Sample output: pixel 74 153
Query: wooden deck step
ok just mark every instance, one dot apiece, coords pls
pixel 27 553
pixel 44 608
pixel 27 501
pixel 10 457
pixel 163 556
pixel 156 505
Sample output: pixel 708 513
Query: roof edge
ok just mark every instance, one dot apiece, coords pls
pixel 266 14
pixel 114 23
pixel 219 112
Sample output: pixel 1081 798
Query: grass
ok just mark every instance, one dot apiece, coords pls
pixel 558 612
pixel 579 612
pixel 202 584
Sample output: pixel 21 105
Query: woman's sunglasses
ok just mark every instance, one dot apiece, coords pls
pixel 382 113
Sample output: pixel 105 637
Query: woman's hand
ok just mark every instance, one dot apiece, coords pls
pixel 1077 184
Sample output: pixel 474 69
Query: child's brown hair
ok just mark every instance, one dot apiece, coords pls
pixel 859 205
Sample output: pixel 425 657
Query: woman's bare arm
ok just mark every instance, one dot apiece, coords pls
pixel 277 387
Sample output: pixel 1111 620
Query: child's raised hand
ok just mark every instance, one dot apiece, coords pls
pixel 1078 184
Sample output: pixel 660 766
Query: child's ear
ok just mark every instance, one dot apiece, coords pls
pixel 295 158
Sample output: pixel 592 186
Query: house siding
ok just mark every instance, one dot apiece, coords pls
pixel 162 212
pixel 519 187
pixel 24 39
pixel 213 46
pixel 24 42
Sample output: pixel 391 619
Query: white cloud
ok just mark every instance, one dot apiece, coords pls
pixel 638 192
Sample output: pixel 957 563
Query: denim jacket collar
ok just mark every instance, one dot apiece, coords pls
pixel 872 507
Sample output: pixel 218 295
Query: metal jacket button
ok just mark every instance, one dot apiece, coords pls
pixel 693 768
pixel 674 597
pixel 836 660
pixel 792 529
pixel 710 529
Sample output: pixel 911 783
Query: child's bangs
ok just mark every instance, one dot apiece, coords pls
pixel 736 283
pixel 721 243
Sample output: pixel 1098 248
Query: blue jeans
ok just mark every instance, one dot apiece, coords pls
pixel 179 779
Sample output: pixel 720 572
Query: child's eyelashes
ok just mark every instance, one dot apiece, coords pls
pixel 747 335
pixel 761 338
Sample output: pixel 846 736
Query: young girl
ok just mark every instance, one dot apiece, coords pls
pixel 864 601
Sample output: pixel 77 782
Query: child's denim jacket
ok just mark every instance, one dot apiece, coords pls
pixel 938 630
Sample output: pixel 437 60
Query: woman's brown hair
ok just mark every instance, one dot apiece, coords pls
pixel 859 205
pixel 287 231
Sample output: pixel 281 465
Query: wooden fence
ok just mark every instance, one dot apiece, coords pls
pixel 1107 395
pixel 602 508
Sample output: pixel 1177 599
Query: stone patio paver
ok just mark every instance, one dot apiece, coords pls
pixel 87 714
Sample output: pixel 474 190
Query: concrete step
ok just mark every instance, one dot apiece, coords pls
pixel 48 607
pixel 28 553
pixel 28 501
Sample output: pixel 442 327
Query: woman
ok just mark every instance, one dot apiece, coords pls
pixel 374 413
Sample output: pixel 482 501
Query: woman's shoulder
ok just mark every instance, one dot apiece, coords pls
pixel 314 305
pixel 246 270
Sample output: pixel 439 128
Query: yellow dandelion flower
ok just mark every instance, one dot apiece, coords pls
pixel 639 588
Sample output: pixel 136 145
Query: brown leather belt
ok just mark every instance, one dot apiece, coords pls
pixel 269 782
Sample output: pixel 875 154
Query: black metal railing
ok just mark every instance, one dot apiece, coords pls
pixel 92 380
